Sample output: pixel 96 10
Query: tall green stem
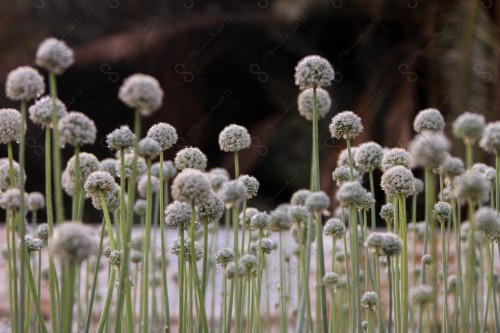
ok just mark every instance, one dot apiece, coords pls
pixel 22 212
pixel 76 191
pixel 404 265
pixel 56 150
pixel 50 223
pixel 163 247
pixel 445 277
pixel 146 249
pixel 36 298
pixel 107 302
pixel 68 298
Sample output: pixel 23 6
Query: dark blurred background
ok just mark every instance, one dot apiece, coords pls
pixel 223 62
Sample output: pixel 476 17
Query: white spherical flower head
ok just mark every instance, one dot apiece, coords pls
pixel 429 149
pixel 217 180
pixel 108 165
pixel 163 133
pixel 33 244
pixel 11 199
pixel 396 157
pixel 77 129
pixel 421 294
pixel 191 186
pixel 251 184
pixel 42 232
pixel 232 269
pixel 266 245
pixel 369 156
pixel 250 264
pixel 375 242
pixel 54 56
pixel 419 186
pixel 488 222
pixel 142 185
pixel 305 103
pixel 148 148
pixel 472 186
pixel 391 245
pixel 342 174
pixel 10 125
pixel 169 170
pixel 398 181
pixel 452 167
pixel 41 112
pixel 351 193
pixel 313 71
pixel 210 210
pixel 73 242
pixel 299 214
pixel 88 164
pixel 491 138
pixel 5 180
pixel 387 212
pixel 175 248
pixel 98 181
pixel 299 197
pixel 469 126
pixel 141 92
pixel 427 259
pixel 334 228
pixel 259 221
pixel 280 220
pixel 178 215
pixel 190 158
pixel 24 84
pixel 234 138
pixel 317 202
pixel 233 192
pixel 249 213
pixel 367 202
pixel 429 120
pixel 224 256
pixel 36 201
pixel 120 138
pixel 369 300
pixel 346 125
pixel 442 211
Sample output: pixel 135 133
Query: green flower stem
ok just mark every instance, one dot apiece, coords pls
pixel 469 266
pixel 50 222
pixel 305 302
pixel 204 277
pixel 236 278
pixel 36 298
pixel 332 290
pixel 107 220
pixel 348 279
pixel 414 238
pixel 146 249
pixel 28 308
pixel 76 191
pixel 490 291
pixel 164 285
pixel 389 323
pixel 353 230
pixel 493 291
pixel 372 209
pixel 201 299
pixel 469 158
pixel 224 300
pixel 445 277
pixel 458 244
pixel 404 264
pixel 22 211
pixel 107 302
pixel 368 267
pixel 12 295
pixel 283 315
pixel 182 286
pixel 321 296
pixel 370 319
pixel 56 150
pixel 94 282
pixel 68 297
pixel 377 290
pixel 124 293
pixel 18 314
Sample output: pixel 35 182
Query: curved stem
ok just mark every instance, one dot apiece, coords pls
pixel 107 302
pixel 36 298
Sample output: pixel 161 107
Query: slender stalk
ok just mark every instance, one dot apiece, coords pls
pixel 445 277
pixel 50 222
pixel 56 150
pixel 107 302
pixel 372 191
pixel 36 298
pixel 76 191
pixel 182 286
pixel 68 298
pixel 22 213
pixel 470 266
pixel 224 301
pixel 283 325
pixel 12 295
pixel 162 246
pixel 404 265
pixel 389 323
pixel 353 230
pixel 124 293
pixel 205 258
pixel 94 282
pixel 236 278
pixel 146 249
